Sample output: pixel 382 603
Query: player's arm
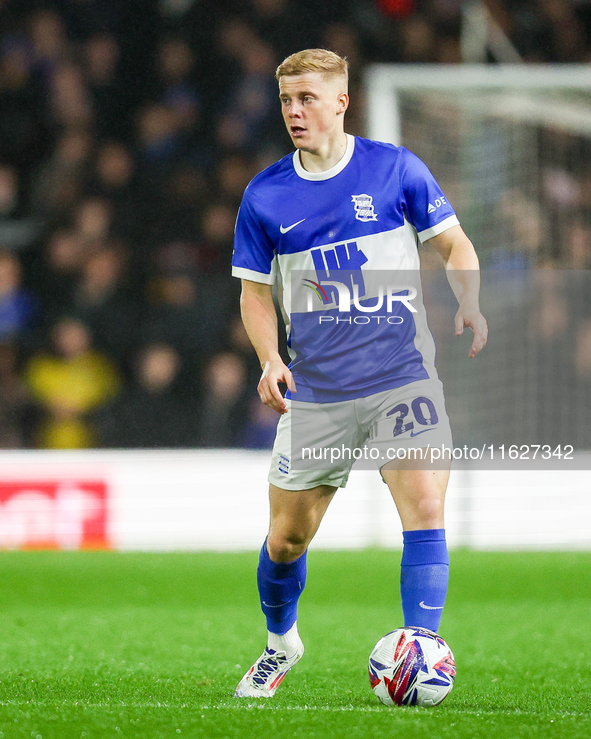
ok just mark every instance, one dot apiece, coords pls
pixel 260 321
pixel 463 274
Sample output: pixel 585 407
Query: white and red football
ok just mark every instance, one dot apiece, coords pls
pixel 411 667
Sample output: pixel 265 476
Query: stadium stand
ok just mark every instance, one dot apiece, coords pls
pixel 127 135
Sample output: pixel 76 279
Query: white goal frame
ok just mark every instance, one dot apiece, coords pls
pixel 383 82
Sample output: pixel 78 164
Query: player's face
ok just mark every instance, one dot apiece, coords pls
pixel 313 107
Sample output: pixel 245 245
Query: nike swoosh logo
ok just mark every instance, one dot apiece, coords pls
pixel 288 228
pixel 430 608
pixel 412 433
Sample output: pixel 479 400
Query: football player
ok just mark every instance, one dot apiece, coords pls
pixel 341 209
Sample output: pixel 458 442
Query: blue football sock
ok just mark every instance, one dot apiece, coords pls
pixel 280 586
pixel 423 577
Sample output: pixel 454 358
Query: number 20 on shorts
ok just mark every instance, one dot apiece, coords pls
pixel 423 411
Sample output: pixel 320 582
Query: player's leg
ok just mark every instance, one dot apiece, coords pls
pixel 419 495
pixel 417 479
pixel 281 578
pixel 281 574
pixel 300 492
pixel 295 518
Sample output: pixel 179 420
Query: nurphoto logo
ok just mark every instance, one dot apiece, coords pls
pixel 392 295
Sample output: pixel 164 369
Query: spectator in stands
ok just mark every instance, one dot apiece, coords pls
pixel 152 414
pixel 254 97
pixel 47 32
pixel 101 63
pixel 234 172
pixel 286 25
pixel 239 343
pixel 223 412
pixel 260 426
pixel 70 103
pixel 93 217
pixel 113 175
pixel 58 182
pixel 16 410
pixel 17 307
pixel 187 311
pixel 101 299
pixel 215 249
pixel 177 206
pixel 54 272
pixel 24 133
pixel 68 383
pixel 9 193
pixel 178 89
pixel 578 247
pixel 113 179
pixel 18 230
pixel 158 136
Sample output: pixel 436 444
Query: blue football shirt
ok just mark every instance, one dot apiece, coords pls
pixel 358 219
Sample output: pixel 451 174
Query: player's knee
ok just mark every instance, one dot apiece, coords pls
pixel 429 513
pixel 286 548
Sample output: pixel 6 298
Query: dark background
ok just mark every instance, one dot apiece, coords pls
pixel 128 131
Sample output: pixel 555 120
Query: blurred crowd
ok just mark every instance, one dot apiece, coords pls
pixel 128 132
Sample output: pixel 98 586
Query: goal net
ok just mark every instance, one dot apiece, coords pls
pixel 510 145
pixel 511 148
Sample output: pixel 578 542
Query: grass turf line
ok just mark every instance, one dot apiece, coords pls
pixel 148 646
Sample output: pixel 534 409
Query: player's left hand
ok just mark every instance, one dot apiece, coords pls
pixel 469 316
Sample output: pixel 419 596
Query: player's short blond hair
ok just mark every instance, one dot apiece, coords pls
pixel 321 61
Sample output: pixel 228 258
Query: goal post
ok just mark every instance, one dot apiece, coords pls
pixel 384 83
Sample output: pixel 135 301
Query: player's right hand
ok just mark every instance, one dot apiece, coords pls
pixel 275 372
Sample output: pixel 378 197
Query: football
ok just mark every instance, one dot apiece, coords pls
pixel 411 667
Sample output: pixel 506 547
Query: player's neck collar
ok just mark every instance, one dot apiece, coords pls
pixel 333 171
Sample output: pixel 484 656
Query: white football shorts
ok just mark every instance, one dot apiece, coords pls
pixel 318 443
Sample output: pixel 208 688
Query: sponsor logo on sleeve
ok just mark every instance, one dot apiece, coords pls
pixel 438 203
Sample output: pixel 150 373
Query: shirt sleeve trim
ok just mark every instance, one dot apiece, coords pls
pixel 438 228
pixel 253 276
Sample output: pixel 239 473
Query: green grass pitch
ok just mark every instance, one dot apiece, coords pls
pixel 150 646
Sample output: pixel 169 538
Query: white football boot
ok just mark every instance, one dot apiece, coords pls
pixel 265 676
